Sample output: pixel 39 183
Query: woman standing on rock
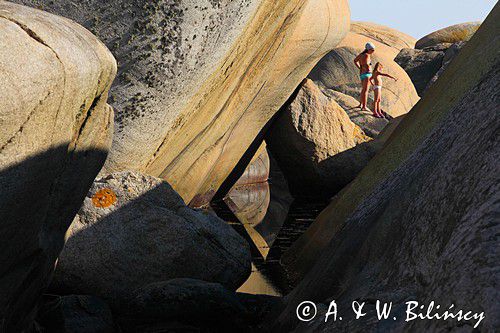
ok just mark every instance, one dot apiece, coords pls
pixel 363 62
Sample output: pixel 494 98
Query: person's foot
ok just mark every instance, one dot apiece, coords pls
pixel 365 109
pixel 375 115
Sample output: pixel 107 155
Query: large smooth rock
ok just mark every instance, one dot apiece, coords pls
pixel 336 71
pixel 55 131
pixel 317 146
pixel 134 230
pixel 419 222
pixel 451 34
pixel 199 79
pixel 250 196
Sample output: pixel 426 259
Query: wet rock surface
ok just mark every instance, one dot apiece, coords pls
pixel 134 230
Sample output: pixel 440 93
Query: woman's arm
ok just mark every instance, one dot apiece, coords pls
pixel 357 61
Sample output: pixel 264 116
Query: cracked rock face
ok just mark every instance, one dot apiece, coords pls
pixel 420 222
pixel 198 80
pixel 55 133
pixel 146 235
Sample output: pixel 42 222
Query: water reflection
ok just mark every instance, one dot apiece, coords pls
pixel 260 207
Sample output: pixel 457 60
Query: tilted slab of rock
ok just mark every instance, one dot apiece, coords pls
pixel 55 131
pixel 451 34
pixel 336 71
pixel 199 79
pixel 135 229
pixel 418 222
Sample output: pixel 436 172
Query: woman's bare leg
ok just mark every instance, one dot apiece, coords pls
pixel 364 94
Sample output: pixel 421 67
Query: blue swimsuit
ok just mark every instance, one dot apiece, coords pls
pixel 366 75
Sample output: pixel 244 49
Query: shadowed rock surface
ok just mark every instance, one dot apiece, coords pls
pixel 422 65
pixel 452 34
pixel 181 305
pixel 55 133
pixel 419 222
pixel 199 79
pixel 75 314
pixel 134 230
pixel 426 65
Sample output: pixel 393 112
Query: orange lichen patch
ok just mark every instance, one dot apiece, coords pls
pixel 104 198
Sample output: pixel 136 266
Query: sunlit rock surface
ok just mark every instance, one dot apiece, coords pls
pixel 452 34
pixel 199 79
pixel 317 145
pixel 336 71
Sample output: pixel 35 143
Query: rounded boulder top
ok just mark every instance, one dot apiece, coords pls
pixel 456 33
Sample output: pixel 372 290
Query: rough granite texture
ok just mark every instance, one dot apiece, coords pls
pixel 421 221
pixel 145 235
pixel 55 132
pixel 199 79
